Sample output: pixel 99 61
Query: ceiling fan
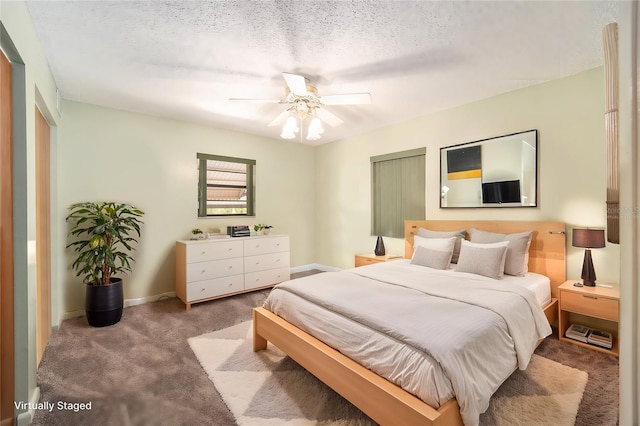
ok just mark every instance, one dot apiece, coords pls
pixel 303 101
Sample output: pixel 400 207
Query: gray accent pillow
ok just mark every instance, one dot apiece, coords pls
pixel 460 235
pixel 517 261
pixel 483 259
pixel 436 259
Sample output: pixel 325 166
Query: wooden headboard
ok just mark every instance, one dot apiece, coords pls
pixel 546 254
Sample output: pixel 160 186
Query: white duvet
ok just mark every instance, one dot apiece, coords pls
pixel 437 334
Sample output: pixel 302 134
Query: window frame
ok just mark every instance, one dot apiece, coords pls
pixel 202 183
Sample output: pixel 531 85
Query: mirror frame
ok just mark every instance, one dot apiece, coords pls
pixel 473 166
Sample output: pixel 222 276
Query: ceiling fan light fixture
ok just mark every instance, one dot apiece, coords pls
pixel 315 129
pixel 290 128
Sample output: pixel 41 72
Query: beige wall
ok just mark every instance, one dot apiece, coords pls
pixel 107 154
pixel 568 114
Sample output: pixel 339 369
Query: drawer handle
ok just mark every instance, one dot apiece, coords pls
pixel 588 296
pixel 257 263
pixel 203 253
pixel 230 267
pixel 202 289
pixel 230 284
pixel 229 249
pixel 203 271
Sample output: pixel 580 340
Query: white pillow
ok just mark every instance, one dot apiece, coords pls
pixel 440 244
pixel 460 235
pixel 435 259
pixel 517 257
pixel 483 259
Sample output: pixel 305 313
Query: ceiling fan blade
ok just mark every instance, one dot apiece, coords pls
pixel 280 118
pixel 347 99
pixel 328 118
pixel 297 83
pixel 264 101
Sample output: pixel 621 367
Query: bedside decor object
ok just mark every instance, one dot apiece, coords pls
pixel 588 239
pixel 104 235
pixel 379 250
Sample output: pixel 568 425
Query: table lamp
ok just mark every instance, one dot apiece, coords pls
pixel 588 239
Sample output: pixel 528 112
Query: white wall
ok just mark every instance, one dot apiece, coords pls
pixel 107 154
pixel 568 114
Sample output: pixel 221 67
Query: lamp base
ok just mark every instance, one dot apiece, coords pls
pixel 588 273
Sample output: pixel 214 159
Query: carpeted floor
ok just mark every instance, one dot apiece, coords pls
pixel 142 371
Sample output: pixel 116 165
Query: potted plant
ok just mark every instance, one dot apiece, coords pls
pixel 197 234
pixel 262 229
pixel 104 234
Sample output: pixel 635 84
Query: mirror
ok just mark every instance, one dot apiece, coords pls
pixel 495 172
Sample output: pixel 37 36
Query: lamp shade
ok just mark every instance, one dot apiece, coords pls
pixel 588 238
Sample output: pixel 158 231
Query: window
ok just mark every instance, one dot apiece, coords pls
pixel 397 191
pixel 225 186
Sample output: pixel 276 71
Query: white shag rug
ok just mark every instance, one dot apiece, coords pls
pixel 268 388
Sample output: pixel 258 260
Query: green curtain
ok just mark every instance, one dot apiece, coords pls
pixel 398 191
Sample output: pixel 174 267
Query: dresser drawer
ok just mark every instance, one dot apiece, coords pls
pixel 263 245
pixel 200 252
pixel 265 278
pixel 587 304
pixel 214 269
pixel 266 261
pixel 215 287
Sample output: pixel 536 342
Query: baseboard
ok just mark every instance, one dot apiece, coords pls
pixel 26 417
pixel 141 300
pixel 169 294
pixel 310 266
pixel 127 303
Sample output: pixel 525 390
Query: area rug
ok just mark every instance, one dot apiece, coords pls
pixel 268 388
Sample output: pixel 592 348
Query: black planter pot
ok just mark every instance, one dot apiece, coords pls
pixel 103 303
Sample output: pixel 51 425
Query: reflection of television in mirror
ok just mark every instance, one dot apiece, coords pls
pixel 506 191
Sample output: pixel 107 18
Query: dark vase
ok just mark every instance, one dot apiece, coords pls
pixel 379 251
pixel 103 303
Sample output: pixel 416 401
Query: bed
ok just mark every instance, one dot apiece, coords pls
pixel 384 401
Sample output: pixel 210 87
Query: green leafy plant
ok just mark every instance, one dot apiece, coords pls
pixel 196 231
pixel 104 233
pixel 260 227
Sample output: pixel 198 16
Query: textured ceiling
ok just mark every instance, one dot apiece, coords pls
pixel 184 59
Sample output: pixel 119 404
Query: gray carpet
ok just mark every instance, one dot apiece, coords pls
pixel 142 371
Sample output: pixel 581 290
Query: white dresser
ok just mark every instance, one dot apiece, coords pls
pixel 210 269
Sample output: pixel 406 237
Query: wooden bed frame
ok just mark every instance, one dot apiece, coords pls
pixel 383 401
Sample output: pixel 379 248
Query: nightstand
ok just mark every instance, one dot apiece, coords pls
pixel 368 259
pixel 594 307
